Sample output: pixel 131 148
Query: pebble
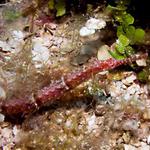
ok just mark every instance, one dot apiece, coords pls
pixel 103 53
pixel 130 125
pixel 129 80
pixel 141 62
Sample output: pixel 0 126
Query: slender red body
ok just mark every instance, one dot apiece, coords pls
pixel 20 108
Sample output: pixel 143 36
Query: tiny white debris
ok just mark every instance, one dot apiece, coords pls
pixel 6 133
pixel 127 96
pixel 91 122
pixel 15 130
pixel 129 147
pixel 94 23
pixel 131 90
pixel 84 31
pixel 103 72
pixel 68 123
pixel 114 90
pixel 52 26
pixel 2 93
pixel 40 52
pixel 117 41
pixel 141 62
pixel 129 79
pixel 2 117
pixel 17 35
pixel 5 46
pixel 148 140
pixel 59 121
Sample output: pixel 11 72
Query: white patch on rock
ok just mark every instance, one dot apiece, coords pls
pixel 127 89
pixel 144 146
pixel 91 120
pixel 68 123
pixel 94 23
pixel 4 46
pixel 129 80
pixel 18 35
pixel 2 117
pixel 148 140
pixel 84 31
pixel 91 26
pixel 16 133
pixel 2 93
pixel 131 125
pixel 129 147
pixel 40 51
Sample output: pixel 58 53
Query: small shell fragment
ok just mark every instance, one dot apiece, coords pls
pixel 103 53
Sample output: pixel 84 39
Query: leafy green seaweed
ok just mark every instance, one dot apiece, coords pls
pixel 59 6
pixel 127 34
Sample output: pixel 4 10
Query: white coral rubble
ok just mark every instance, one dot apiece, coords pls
pixel 91 26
